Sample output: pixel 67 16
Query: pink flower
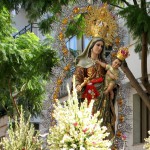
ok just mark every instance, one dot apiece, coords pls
pixel 123 52
pixel 94 143
pixel 84 130
pixel 124 137
pixel 75 124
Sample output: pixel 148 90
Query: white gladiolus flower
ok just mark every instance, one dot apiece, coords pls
pixel 147 144
pixel 82 148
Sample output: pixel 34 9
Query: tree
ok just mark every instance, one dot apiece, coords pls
pixel 25 64
pixel 136 14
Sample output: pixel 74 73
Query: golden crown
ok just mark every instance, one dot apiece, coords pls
pixel 100 22
pixel 122 53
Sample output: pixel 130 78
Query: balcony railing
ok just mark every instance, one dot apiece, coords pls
pixel 29 27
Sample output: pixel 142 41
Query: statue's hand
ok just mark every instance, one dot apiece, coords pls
pixel 106 92
pixel 79 88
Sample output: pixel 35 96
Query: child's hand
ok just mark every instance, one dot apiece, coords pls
pixel 101 63
pixel 98 61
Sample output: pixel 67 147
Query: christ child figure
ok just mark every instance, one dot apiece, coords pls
pixel 111 76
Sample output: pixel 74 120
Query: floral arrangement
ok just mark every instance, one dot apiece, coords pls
pixel 22 136
pixel 147 144
pixel 76 127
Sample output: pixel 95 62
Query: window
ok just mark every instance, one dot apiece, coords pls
pixel 85 42
pixel 141 120
pixel 72 43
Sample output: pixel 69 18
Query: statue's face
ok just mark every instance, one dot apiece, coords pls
pixel 98 47
pixel 116 64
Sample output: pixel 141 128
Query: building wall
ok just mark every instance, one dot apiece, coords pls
pixel 20 20
pixel 3 125
pixel 134 62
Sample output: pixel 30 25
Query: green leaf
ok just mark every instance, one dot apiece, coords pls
pixel 25 64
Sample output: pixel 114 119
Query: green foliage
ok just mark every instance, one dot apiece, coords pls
pixel 5 24
pixel 37 8
pixel 22 136
pixel 137 20
pixel 45 24
pixel 113 1
pixel 76 26
pixel 25 64
pixel 117 3
pixel 138 47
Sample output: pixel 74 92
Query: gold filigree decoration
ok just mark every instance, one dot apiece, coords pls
pixel 101 23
